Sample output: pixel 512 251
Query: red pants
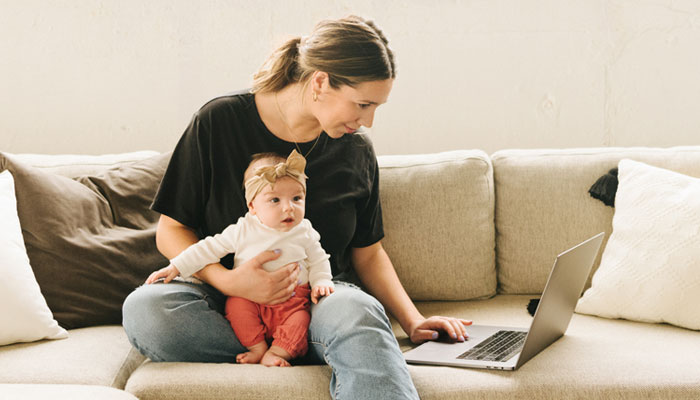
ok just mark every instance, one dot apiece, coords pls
pixel 286 325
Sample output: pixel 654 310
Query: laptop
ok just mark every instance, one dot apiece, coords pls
pixel 507 348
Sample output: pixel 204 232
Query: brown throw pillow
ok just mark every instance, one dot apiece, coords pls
pixel 90 241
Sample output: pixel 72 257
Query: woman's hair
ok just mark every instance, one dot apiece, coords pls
pixel 350 50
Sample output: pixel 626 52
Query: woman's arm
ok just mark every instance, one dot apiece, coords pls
pixel 249 280
pixel 377 273
pixel 172 237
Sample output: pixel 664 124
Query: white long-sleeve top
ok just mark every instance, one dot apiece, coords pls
pixel 248 237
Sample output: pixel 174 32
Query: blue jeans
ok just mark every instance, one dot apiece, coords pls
pixel 349 331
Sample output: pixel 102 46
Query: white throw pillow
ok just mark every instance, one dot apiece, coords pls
pixel 24 315
pixel 650 268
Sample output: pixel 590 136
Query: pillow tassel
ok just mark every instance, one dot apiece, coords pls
pixel 532 306
pixel 605 187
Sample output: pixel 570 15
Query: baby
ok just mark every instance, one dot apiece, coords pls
pixel 275 190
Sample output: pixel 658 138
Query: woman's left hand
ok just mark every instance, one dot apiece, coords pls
pixel 430 328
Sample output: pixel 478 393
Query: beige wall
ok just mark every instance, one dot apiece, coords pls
pixel 92 76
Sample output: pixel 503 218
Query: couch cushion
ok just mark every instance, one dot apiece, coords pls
pixel 588 362
pixel 543 206
pixel 597 358
pixel 174 381
pixel 63 392
pixel 89 356
pixel 438 221
pixel 91 240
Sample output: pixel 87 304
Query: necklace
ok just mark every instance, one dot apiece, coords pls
pixel 289 128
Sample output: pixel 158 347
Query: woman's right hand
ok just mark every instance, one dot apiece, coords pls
pixel 167 274
pixel 251 281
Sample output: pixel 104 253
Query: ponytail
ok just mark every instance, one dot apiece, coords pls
pixel 280 69
pixel 351 50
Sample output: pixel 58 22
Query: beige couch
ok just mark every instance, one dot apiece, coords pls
pixel 472 236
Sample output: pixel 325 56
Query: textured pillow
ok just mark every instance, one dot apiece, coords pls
pixel 24 315
pixel 90 241
pixel 650 270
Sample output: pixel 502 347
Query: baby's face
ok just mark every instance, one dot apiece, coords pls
pixel 280 206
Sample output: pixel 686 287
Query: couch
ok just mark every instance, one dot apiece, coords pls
pixel 471 235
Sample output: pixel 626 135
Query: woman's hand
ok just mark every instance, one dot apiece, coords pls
pixel 168 273
pixel 252 282
pixel 429 329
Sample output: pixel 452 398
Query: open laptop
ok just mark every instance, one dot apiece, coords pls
pixel 507 348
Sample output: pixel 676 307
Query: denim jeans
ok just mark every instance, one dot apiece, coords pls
pixel 349 331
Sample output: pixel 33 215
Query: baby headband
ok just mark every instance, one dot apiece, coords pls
pixel 268 175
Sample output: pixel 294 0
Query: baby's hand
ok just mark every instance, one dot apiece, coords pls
pixel 320 291
pixel 169 273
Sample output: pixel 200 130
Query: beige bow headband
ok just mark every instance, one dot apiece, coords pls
pixel 268 175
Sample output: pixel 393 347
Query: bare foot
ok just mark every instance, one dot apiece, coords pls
pixel 254 355
pixel 276 357
pixel 249 357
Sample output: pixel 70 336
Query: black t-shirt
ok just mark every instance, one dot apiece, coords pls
pixel 203 184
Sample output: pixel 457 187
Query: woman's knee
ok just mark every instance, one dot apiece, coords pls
pixel 137 304
pixel 146 303
pixel 151 320
pixel 139 315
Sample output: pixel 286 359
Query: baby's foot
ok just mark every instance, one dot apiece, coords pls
pixel 254 355
pixel 249 357
pixel 276 357
pixel 272 360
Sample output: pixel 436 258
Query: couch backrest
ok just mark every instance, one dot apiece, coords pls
pixel 438 216
pixel 74 165
pixel 438 220
pixel 439 211
pixel 543 206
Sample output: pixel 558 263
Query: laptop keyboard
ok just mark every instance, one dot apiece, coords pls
pixel 500 346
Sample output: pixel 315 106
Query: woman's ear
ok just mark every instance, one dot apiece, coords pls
pixel 319 82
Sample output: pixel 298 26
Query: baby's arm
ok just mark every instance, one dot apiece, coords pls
pixel 320 276
pixel 319 268
pixel 207 251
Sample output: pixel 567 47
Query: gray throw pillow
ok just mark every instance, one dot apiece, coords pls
pixel 90 240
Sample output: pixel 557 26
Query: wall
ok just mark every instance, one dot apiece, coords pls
pixel 110 76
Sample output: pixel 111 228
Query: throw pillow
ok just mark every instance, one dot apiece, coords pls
pixel 650 268
pixel 24 315
pixel 90 241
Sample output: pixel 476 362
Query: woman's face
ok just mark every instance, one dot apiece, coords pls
pixel 345 109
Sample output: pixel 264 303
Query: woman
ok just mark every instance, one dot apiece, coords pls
pixel 312 94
